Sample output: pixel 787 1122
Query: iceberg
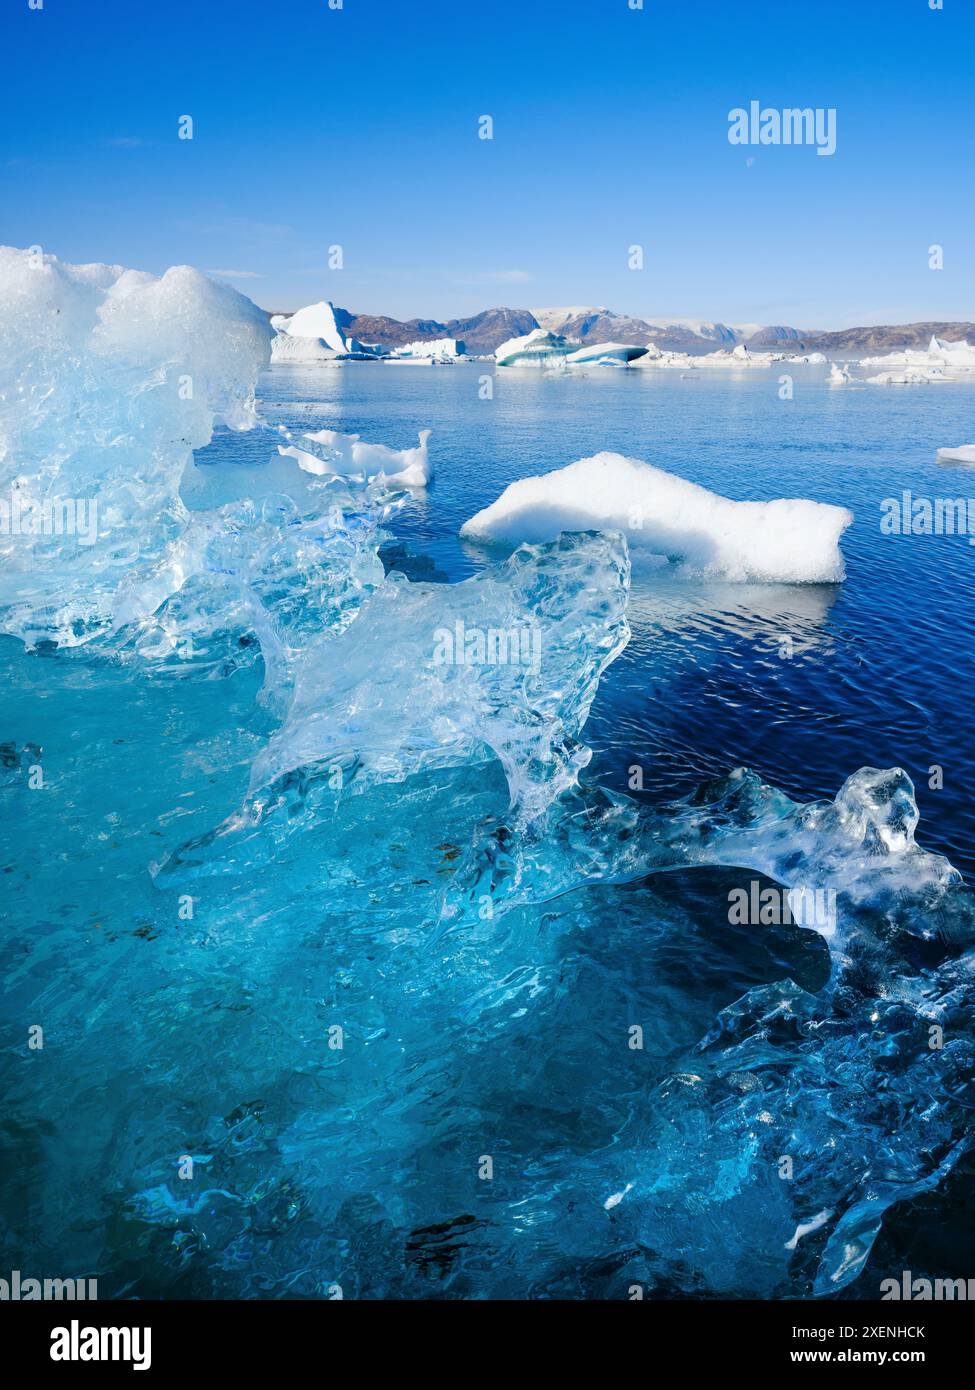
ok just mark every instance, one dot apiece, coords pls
pixel 838 374
pixel 533 349
pixel 347 456
pixel 939 356
pixel 604 353
pixel 668 519
pixel 316 327
pixel 318 321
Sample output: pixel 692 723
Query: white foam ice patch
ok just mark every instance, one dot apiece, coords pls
pixel 349 456
pixel 109 379
pixel 668 519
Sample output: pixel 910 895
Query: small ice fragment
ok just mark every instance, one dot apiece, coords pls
pixel 616 1198
pixel 804 1228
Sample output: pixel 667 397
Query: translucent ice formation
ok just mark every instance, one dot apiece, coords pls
pixel 666 517
pixel 110 379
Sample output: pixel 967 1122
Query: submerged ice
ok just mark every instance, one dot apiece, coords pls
pixel 400 838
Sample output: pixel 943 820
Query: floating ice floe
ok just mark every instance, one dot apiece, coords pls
pixel 669 519
pixel 537 348
pixel 349 456
pixel 912 376
pixel 962 453
pixel 809 359
pixel 939 354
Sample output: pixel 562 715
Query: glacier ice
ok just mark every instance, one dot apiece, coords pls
pixel 666 517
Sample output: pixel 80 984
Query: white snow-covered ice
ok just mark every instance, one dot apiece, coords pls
pixel 665 518
pixel 435 350
pixel 288 347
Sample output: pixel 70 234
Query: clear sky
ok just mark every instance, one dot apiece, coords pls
pixel 359 127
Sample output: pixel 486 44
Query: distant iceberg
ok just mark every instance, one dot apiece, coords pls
pixel 614 353
pixel 313 335
pixel 736 358
pixel 433 350
pixel 348 456
pixel 939 357
pixel 838 374
pixel 288 347
pixel 535 348
pixel 669 519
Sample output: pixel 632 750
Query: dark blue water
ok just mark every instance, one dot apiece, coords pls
pixel 206 1036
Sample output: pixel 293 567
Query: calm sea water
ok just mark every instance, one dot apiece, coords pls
pixel 167 1038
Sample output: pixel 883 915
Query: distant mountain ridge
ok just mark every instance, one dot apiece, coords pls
pixel 483 333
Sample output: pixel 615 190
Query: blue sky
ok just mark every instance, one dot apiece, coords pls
pixel 358 127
